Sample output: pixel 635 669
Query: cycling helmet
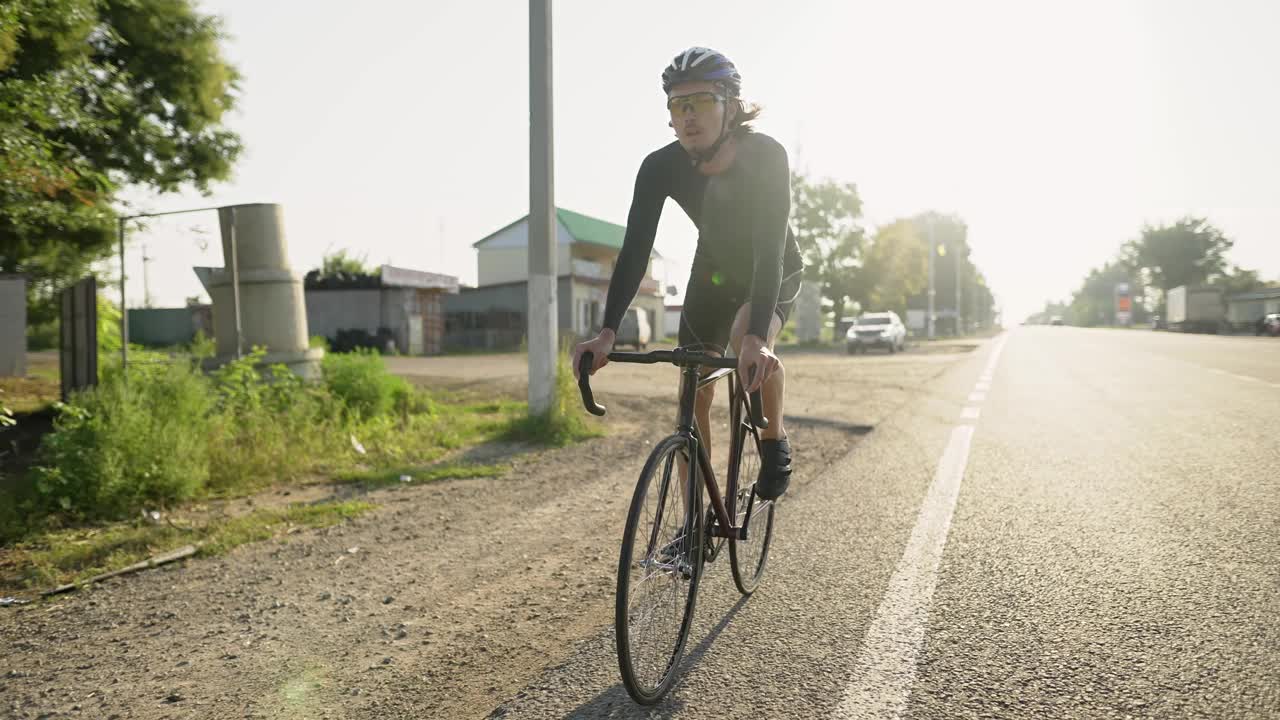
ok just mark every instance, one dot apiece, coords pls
pixel 702 64
pixel 699 64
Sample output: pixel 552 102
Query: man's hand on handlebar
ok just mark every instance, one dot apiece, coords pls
pixel 600 346
pixel 756 363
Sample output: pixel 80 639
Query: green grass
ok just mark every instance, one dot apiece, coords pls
pixel 41 388
pixel 172 435
pixel 264 524
pixel 65 556
pixel 564 422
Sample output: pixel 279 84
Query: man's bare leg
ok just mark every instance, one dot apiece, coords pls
pixel 702 419
pixel 772 392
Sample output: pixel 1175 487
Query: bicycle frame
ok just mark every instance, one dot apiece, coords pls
pixel 690 383
pixel 689 362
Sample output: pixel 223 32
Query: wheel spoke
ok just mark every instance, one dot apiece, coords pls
pixel 659 575
pixel 749 556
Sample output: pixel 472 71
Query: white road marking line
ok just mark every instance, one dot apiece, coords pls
pixel 1238 376
pixel 886 667
pixel 982 386
pixel 977 397
pixel 970 413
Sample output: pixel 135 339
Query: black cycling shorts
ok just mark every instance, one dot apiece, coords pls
pixel 711 302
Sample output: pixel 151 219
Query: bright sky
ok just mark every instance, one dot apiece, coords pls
pixel 400 130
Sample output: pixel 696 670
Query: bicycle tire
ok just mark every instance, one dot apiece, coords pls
pixel 748 558
pixel 649 664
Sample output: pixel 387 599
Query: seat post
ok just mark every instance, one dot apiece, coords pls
pixel 688 393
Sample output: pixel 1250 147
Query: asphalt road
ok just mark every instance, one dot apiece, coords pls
pixel 1067 524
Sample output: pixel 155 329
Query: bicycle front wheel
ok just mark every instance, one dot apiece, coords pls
pixel 747 558
pixel 659 568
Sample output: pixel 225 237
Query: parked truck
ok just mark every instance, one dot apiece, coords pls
pixel 1190 309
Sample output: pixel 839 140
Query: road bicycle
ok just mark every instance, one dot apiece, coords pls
pixel 668 538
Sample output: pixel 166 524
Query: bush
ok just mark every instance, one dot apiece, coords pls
pixel 202 346
pixel 361 382
pixel 268 426
pixel 124 446
pixel 565 421
pixel 171 434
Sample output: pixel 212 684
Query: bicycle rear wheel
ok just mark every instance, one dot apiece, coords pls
pixel 659 568
pixel 747 558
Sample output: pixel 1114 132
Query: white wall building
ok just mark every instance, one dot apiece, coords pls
pixel 586 251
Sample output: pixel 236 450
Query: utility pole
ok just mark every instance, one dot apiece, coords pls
pixel 959 314
pixel 542 215
pixel 124 303
pixel 933 250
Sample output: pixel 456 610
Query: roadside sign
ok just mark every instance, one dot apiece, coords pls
pixel 1124 305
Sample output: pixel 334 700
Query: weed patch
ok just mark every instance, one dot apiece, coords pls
pixel 74 555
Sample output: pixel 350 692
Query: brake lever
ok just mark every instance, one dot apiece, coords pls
pixel 584 384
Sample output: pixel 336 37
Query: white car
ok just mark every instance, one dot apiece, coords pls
pixel 883 329
pixel 634 329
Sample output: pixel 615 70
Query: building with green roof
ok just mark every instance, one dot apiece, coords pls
pixel 492 315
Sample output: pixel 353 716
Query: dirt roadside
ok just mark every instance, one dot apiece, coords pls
pixel 440 603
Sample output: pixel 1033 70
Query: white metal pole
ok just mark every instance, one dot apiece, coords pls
pixel 542 216
pixel 959 314
pixel 933 250
pixel 124 307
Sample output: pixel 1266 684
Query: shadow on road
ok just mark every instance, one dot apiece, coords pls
pixel 615 703
pixel 851 428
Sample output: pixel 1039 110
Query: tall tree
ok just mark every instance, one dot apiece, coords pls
pixel 96 95
pixel 1189 252
pixel 824 214
pixel 1095 302
pixel 1236 280
pixel 951 248
pixel 895 268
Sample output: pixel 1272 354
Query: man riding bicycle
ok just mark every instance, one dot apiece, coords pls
pixel 735 184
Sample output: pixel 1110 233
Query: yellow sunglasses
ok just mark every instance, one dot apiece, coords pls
pixel 697 103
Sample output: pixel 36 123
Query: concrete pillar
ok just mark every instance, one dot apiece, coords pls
pixel 542 214
pixel 808 313
pixel 272 309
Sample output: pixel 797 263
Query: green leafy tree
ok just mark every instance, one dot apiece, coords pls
pixel 979 302
pixel 951 243
pixel 824 215
pixel 895 268
pixel 1189 252
pixel 1237 280
pixel 340 263
pixel 1095 302
pixel 97 95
